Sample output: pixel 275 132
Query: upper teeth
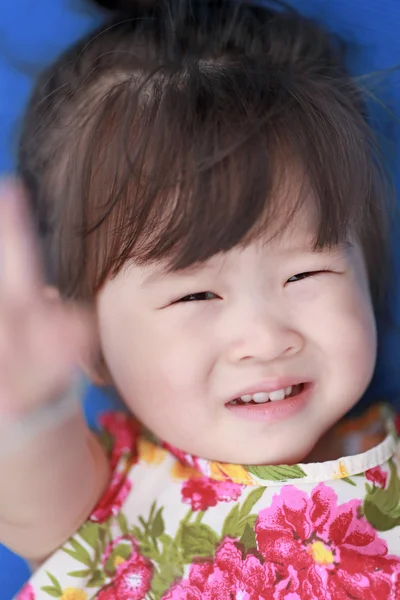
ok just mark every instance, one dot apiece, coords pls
pixel 261 397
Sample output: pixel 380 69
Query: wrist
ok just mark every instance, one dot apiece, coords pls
pixel 18 432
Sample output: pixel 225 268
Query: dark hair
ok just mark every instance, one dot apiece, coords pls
pixel 167 133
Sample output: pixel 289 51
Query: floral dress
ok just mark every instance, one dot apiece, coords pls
pixel 176 527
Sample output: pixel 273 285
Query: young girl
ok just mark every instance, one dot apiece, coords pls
pixel 205 183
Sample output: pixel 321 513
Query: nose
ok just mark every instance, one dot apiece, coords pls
pixel 264 338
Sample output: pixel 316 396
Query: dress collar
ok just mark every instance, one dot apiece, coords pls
pixel 355 432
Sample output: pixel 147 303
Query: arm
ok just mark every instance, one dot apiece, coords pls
pixel 49 486
pixel 52 469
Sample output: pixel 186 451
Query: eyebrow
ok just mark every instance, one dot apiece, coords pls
pixel 308 247
pixel 153 277
pixel 343 245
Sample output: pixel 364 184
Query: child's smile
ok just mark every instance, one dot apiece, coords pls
pixel 269 394
pixel 273 403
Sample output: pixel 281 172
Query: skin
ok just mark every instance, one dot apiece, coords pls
pixel 177 361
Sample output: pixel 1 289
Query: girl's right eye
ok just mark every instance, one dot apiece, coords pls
pixel 199 297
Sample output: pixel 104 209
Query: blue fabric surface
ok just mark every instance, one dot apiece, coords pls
pixel 32 33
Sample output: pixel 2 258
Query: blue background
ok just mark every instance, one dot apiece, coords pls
pixel 32 33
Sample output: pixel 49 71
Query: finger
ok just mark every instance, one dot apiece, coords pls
pixel 20 272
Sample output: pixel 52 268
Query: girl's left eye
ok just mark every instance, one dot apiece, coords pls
pixel 199 297
pixel 305 275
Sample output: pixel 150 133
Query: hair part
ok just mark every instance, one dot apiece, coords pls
pixel 169 134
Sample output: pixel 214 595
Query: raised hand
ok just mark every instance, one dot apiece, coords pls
pixel 43 341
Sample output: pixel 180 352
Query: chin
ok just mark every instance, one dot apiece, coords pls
pixel 298 455
pixel 284 458
pixel 296 458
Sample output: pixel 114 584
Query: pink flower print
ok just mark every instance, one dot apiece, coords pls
pixel 227 491
pixel 117 552
pixel 132 571
pixel 113 499
pixel 203 492
pixel 183 457
pixel 126 542
pixel 27 593
pixel 124 430
pixel 335 552
pixel 377 477
pixel 183 591
pixel 228 575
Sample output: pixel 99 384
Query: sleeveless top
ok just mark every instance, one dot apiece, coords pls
pixel 172 526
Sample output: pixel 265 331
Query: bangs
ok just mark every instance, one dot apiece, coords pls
pixel 200 162
pixel 175 137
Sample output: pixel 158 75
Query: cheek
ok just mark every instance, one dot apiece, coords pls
pixel 161 375
pixel 345 330
pixel 356 352
pixel 174 357
pixel 154 359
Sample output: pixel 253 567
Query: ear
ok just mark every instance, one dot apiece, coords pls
pixel 95 369
pixel 51 293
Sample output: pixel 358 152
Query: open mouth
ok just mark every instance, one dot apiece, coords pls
pixel 265 397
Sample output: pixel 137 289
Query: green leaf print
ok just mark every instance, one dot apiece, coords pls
pixel 150 530
pixel 232 526
pixel 51 591
pixel 248 538
pixel 78 552
pixel 169 566
pixel 123 523
pixel 55 590
pixel 251 520
pixel 123 550
pixel 97 580
pixel 348 480
pixel 381 506
pixel 157 527
pixel 138 534
pixel 81 574
pixel 198 540
pixel 277 473
pixel 171 556
pixel 238 518
pixel 166 540
pixel 90 533
pixel 163 578
pixel 159 584
pixel 253 497
pixel 152 511
pixel 54 581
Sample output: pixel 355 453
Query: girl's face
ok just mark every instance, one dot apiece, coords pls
pixel 275 315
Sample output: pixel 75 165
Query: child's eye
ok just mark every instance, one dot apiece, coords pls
pixel 199 297
pixel 305 275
